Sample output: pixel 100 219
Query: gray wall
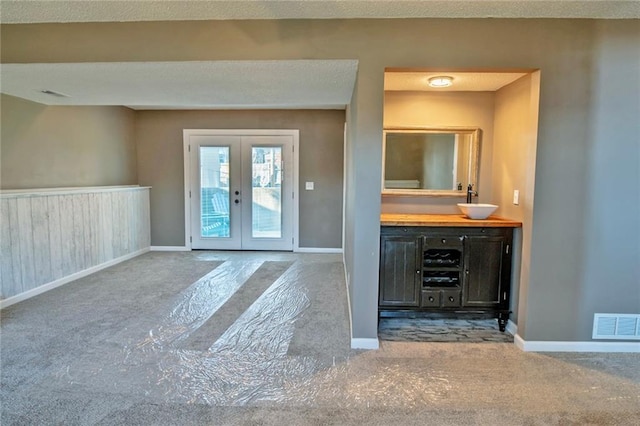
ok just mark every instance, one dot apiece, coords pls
pixel 438 110
pixel 161 165
pixel 611 267
pixel 582 116
pixel 513 167
pixel 62 146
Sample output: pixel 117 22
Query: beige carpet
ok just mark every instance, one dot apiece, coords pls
pixel 263 339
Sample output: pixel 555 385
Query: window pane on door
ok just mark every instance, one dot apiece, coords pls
pixel 266 203
pixel 214 192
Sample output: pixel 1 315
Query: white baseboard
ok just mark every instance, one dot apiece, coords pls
pixel 544 346
pixel 547 346
pixel 356 342
pixel 346 284
pixel 296 250
pixel 317 250
pixel 169 248
pixel 361 343
pixel 64 280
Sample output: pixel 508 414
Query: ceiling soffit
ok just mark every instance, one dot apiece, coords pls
pixel 196 84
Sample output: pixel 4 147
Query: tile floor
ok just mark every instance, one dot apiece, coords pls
pixel 442 330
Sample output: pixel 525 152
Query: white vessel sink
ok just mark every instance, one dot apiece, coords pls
pixel 477 211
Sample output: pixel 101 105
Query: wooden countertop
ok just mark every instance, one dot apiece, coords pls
pixel 454 220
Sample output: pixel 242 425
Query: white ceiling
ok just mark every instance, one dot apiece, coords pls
pixel 249 84
pixel 33 11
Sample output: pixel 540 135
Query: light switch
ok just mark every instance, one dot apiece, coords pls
pixel 516 197
pixel 308 186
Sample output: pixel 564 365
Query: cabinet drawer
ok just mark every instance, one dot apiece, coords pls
pixel 440 299
pixel 430 299
pixel 451 299
pixel 444 241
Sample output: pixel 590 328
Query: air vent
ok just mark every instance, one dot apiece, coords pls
pixel 56 94
pixel 616 326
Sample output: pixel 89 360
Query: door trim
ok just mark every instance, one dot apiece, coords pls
pixel 187 133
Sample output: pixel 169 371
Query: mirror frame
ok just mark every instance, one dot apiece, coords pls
pixel 474 158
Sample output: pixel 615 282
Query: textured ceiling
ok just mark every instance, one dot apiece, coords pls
pixel 250 84
pixel 33 11
pixel 462 81
pixel 182 85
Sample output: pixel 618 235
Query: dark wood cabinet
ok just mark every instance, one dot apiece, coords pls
pixel 445 271
pixel 487 270
pixel 399 271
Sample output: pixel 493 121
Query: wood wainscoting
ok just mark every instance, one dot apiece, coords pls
pixel 51 236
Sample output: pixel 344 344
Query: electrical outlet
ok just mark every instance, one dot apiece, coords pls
pixel 516 197
pixel 308 186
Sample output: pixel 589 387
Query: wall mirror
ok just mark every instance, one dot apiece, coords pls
pixel 430 161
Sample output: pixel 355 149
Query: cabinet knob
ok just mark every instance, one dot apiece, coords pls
pixel 451 299
pixel 444 241
pixel 430 298
pixel 418 271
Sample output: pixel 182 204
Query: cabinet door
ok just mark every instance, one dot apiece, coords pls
pixel 486 278
pixel 399 272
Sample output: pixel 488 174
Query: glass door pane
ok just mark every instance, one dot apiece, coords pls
pixel 214 192
pixel 266 192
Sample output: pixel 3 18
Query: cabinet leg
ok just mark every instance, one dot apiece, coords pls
pixel 502 321
pixel 502 325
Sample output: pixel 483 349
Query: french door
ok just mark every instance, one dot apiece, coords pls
pixel 241 190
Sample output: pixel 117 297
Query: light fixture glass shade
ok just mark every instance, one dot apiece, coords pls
pixel 441 81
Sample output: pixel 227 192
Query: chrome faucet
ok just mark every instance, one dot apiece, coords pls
pixel 470 193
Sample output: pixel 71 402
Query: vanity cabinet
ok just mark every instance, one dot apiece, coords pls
pixel 445 271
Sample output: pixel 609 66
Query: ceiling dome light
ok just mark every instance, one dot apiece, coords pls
pixel 441 81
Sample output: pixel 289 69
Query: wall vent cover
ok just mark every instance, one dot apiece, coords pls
pixel 616 326
pixel 56 94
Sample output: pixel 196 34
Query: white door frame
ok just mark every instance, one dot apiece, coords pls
pixel 187 133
